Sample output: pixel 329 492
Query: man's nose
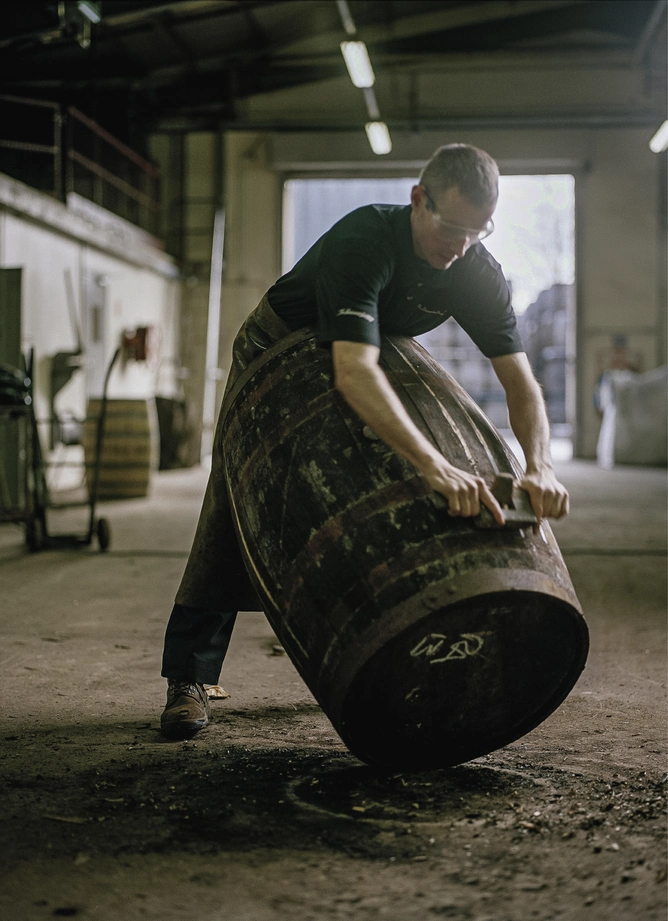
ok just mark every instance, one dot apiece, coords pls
pixel 460 245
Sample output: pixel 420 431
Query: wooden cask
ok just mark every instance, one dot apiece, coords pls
pixel 426 640
pixel 128 451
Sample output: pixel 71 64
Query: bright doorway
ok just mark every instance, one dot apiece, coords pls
pixel 533 241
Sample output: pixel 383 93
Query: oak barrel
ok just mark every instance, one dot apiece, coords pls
pixel 426 640
pixel 128 451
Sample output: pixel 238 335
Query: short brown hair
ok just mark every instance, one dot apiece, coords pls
pixel 473 171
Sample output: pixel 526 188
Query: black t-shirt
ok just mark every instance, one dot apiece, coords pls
pixel 362 279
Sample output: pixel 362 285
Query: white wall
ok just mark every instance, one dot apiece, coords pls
pixel 136 295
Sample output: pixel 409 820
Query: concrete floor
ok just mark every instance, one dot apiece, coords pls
pixel 265 815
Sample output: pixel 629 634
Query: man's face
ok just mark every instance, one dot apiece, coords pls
pixel 445 225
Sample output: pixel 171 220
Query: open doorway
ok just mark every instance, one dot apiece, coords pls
pixel 533 241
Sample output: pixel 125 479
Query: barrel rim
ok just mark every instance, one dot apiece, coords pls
pixel 303 334
pixel 343 660
pixel 493 742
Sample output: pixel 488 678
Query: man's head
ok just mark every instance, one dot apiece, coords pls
pixel 453 203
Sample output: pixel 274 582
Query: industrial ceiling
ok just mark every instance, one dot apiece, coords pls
pixel 150 66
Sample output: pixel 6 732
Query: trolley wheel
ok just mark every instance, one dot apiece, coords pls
pixel 35 533
pixel 103 531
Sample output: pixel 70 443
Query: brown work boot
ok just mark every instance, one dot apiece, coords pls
pixel 187 710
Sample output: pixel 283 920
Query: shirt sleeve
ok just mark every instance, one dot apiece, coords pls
pixel 354 265
pixel 484 308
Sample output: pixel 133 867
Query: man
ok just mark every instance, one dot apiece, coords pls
pixel 381 269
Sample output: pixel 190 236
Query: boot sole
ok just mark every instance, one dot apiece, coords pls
pixel 182 730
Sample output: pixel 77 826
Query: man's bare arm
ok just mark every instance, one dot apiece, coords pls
pixel 528 418
pixel 364 386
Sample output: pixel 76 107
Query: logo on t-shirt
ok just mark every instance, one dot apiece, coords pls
pixel 349 312
pixel 436 313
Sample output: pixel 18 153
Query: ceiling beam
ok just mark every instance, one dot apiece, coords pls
pixel 658 15
pixel 212 120
pixel 162 25
pixel 192 9
pixel 474 13
pixel 141 18
pixel 603 17
pixel 468 14
pixel 254 74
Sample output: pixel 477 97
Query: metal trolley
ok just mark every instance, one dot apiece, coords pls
pixel 27 499
pixel 17 485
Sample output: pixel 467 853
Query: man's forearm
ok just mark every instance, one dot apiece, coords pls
pixel 529 422
pixel 526 409
pixel 370 394
pixel 528 418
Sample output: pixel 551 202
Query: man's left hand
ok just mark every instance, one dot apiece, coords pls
pixel 549 497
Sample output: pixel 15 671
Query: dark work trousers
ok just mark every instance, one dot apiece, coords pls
pixel 196 641
pixel 215 583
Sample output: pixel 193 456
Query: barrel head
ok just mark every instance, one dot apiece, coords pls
pixel 464 681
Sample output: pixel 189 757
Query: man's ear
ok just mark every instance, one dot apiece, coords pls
pixel 417 196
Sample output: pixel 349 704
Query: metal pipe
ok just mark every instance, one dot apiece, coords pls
pixel 24 100
pixel 473 122
pixel 110 139
pixel 120 184
pixel 26 145
pixel 212 373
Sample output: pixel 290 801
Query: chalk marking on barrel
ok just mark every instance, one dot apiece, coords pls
pixel 431 648
pixel 461 649
pixel 458 650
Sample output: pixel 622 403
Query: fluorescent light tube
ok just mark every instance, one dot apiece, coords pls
pixel 90 10
pixel 357 61
pixel 660 140
pixel 346 17
pixel 379 137
pixel 371 104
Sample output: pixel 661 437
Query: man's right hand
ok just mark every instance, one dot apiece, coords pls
pixel 464 491
pixel 367 390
